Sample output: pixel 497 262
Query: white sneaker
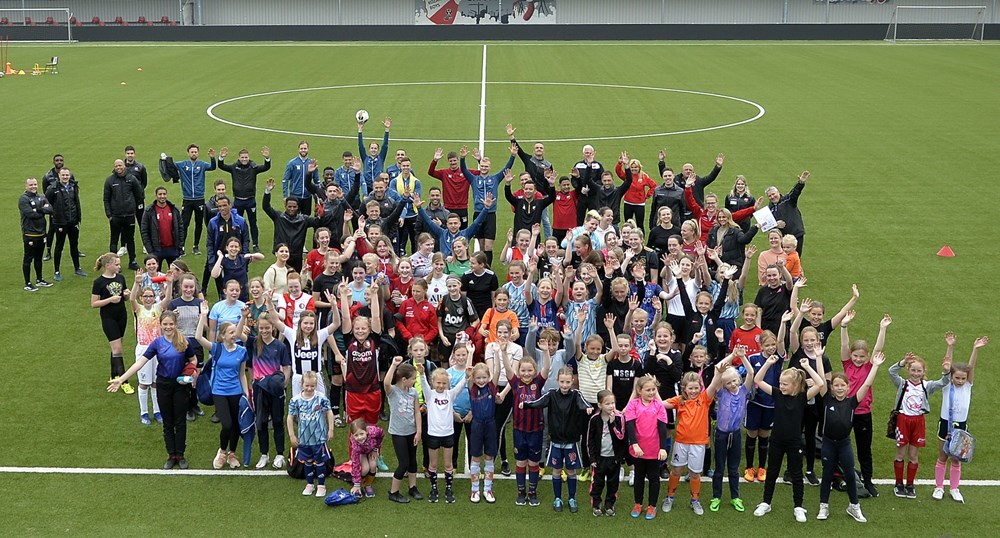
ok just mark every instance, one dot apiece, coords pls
pixel 854 510
pixel 762 509
pixel 937 494
pixel 800 514
pixel 631 477
pixel 488 495
pixel 122 251
pixel 220 460
pixel 163 156
pixel 309 490
pixel 262 462
pixel 621 475
pixel 279 462
pixel 474 498
pixel 957 496
pixel 824 511
pixel 321 491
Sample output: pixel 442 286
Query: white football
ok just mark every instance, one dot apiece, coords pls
pixel 362 116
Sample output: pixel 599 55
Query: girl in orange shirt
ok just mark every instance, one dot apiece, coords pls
pixel 493 316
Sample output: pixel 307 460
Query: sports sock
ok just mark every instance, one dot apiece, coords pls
pixel 557 483
pixel 152 394
pixel 939 474
pixel 488 476
pixel 474 475
pixel 954 474
pixel 117 365
pixel 321 474
pixel 310 473
pixel 571 486
pixel 762 445
pixel 449 478
pixel 489 257
pixel 672 484
pixel 911 472
pixel 520 472
pixel 533 478
pixel 695 487
pixel 433 476
pixel 749 447
pixel 143 400
pixel 335 398
pixel 897 466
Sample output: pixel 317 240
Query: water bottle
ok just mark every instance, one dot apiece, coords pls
pixel 185 379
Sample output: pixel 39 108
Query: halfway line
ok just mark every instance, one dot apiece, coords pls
pixel 482 107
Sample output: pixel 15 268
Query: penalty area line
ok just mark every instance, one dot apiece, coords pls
pixel 269 473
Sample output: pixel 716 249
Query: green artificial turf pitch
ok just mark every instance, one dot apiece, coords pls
pixel 900 140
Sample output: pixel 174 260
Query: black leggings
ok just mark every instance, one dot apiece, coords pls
pixel 172 397
pixel 406 455
pixel 270 410
pixel 777 452
pixel 197 207
pixel 227 408
pixel 73 232
pixel 646 469
pixel 838 455
pixel 863 441
pixel 34 249
pixel 810 424
pixel 502 415
pixel 634 211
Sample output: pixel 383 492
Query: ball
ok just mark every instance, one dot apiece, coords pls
pixel 189 369
pixel 362 116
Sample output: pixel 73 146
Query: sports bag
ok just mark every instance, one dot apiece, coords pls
pixel 340 497
pixel 204 387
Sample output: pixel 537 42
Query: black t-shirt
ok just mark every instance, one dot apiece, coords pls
pixel 788 412
pixel 480 288
pixel 824 329
pixel 456 315
pixel 105 288
pixel 774 302
pixel 623 376
pixel 325 282
pixel 801 354
pixel 838 416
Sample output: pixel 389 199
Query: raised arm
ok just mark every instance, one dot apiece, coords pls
pixel 819 382
pixel 980 342
pixel 880 340
pixel 845 339
pixel 785 318
pixel 877 359
pixel 199 333
pixel 391 373
pixel 745 270
pixel 847 307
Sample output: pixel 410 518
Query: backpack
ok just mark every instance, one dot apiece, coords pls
pixel 297 469
pixel 340 497
pixel 204 388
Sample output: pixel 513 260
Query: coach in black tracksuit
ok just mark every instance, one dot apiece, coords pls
pixel 122 195
pixel 64 195
pixel 290 226
pixel 244 173
pixel 527 210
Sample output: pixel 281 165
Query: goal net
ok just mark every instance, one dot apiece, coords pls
pixel 37 24
pixel 951 23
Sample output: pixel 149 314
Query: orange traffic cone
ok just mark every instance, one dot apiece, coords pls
pixel 946 252
pixel 9 71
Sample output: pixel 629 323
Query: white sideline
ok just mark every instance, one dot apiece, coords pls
pixel 482 107
pixel 242 472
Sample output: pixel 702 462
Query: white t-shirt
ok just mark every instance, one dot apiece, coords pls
pixel 440 409
pixel 674 305
pixel 514 353
pixel 963 397
pixel 305 358
pixel 913 399
pixel 437 288
pixel 297 305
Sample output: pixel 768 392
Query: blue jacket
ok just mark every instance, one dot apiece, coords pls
pixel 344 177
pixel 237 228
pixel 192 178
pixel 409 212
pixel 372 166
pixel 482 185
pixel 444 237
pixel 293 183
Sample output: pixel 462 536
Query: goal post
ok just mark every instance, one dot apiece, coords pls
pixel 936 23
pixel 37 24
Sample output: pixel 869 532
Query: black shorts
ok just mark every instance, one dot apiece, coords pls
pixel 943 428
pixel 489 228
pixel 434 442
pixel 114 325
pixel 463 216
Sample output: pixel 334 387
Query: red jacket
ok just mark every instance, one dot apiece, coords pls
pixel 453 185
pixel 708 221
pixel 641 188
pixel 417 319
pixel 564 210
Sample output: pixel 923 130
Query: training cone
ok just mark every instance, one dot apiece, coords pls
pixel 946 252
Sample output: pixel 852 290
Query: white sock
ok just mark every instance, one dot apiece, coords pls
pixel 152 394
pixel 143 404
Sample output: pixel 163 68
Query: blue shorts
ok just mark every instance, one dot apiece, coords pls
pixel 483 438
pixel 314 454
pixel 560 457
pixel 527 446
pixel 759 417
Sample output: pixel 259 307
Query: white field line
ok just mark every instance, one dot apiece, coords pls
pixel 241 472
pixel 482 107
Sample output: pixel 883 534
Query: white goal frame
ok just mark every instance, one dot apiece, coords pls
pixel 978 26
pixel 17 15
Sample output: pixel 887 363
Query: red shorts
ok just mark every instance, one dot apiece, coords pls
pixel 911 431
pixel 364 405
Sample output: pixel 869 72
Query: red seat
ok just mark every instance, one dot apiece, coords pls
pixel 119 20
pixel 72 20
pixel 164 20
pixel 95 20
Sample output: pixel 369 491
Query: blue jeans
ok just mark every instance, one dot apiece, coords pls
pixel 727 456
pixel 247 208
